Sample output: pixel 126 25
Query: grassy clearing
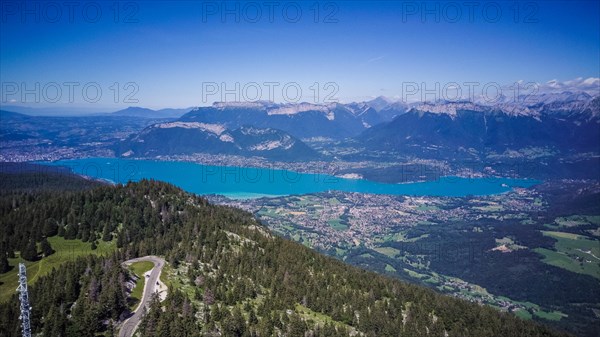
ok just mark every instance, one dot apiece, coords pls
pixel 139 269
pixel 401 236
pixel 387 251
pixel 306 200
pixel 66 250
pixel 551 316
pixel 508 244
pixel 337 224
pixel 571 221
pixel 164 275
pixel 273 213
pixel 315 316
pixel 426 208
pixel 524 314
pixel 564 261
pixel 340 252
pixel 573 252
pixel 176 278
pixel 489 208
pixel 529 308
pixel 575 221
pixel 318 317
pixel 561 235
pixel 334 201
pixel 415 274
pixel 582 247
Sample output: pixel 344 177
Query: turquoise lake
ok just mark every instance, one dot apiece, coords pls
pixel 243 182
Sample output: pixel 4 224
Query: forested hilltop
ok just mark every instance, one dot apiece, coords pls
pixel 227 275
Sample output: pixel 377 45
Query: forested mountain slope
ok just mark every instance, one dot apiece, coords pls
pixel 227 274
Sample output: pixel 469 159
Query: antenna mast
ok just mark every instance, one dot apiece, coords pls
pixel 24 298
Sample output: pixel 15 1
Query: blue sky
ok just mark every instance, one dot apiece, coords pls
pixel 173 52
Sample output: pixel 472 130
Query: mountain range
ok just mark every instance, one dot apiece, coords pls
pixel 303 120
pixel 180 137
pixel 86 112
pixel 564 123
pixel 567 122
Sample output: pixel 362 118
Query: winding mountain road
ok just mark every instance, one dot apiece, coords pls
pixel 150 286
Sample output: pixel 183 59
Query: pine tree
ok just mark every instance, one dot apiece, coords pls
pixel 46 247
pixel 252 319
pixel 110 330
pixel 61 231
pixel 71 232
pixel 106 234
pixel 50 228
pixel 4 266
pixel 234 324
pixel 297 327
pixel 29 253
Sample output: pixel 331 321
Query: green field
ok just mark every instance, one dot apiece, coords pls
pixel 273 213
pixel 66 250
pixel 139 269
pixel 308 200
pixel 524 314
pixel 387 251
pixel 389 268
pixel 340 252
pixel 334 201
pixel 573 252
pixel 574 221
pixel 578 220
pixel 561 235
pixel 337 224
pixel 427 208
pixel 415 274
pixel 551 316
pixel 401 237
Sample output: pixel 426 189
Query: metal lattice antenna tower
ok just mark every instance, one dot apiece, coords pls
pixel 24 297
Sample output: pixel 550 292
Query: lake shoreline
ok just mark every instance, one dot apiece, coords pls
pixel 250 182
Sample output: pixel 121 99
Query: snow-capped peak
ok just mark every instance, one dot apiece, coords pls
pixel 449 108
